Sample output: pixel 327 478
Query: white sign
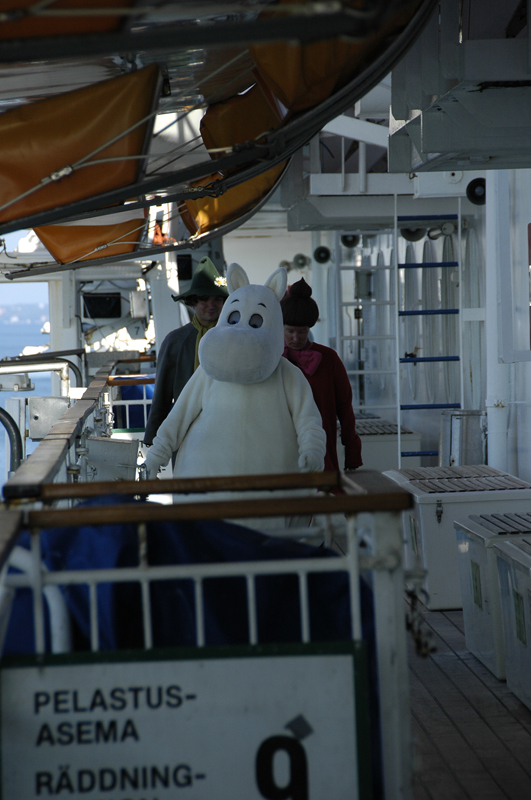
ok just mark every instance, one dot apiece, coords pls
pixel 212 729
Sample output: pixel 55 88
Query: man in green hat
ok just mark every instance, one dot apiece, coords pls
pixel 178 356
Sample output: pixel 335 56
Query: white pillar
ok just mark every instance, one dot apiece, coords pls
pixel 321 330
pixel 497 253
pixel 64 328
pixel 167 314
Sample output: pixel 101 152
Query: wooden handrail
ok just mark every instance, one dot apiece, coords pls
pixel 156 512
pixel 372 491
pixel 141 357
pixel 366 490
pixel 130 380
pixel 326 481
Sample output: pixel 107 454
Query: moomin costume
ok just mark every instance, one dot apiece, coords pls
pixel 246 410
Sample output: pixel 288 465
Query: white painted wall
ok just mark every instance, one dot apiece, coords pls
pixel 259 250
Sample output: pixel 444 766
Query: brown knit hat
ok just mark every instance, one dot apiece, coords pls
pixel 298 306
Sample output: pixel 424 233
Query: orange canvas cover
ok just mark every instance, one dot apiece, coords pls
pixel 304 75
pixel 239 119
pixel 84 240
pixel 43 137
pixel 209 213
pixel 39 25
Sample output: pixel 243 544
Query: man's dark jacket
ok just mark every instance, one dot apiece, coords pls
pixel 175 367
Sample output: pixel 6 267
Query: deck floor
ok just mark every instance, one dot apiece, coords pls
pixel 471 735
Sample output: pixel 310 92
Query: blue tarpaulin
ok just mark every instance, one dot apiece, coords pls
pixel 172 601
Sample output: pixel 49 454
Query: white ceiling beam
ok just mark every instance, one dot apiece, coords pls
pixel 358 129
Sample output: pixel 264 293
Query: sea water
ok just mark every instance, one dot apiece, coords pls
pixel 14 336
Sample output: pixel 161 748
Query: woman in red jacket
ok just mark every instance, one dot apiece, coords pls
pixel 325 373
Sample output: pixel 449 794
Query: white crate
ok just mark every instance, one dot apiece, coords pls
pixel 514 576
pixel 479 582
pixel 442 496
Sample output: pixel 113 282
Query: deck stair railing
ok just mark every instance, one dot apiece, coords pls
pixel 373 333
pixel 427 313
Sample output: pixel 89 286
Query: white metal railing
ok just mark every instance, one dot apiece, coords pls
pixel 374 542
pixel 39 579
pixel 61 455
pixel 52 366
pixel 123 408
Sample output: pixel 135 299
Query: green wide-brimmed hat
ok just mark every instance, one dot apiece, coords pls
pixel 206 281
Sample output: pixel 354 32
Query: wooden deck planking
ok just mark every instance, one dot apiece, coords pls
pixel 435 780
pixel 498 688
pixel 472 737
pixel 443 732
pixel 456 618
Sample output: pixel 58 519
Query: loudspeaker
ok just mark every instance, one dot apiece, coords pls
pixel 413 234
pixel 300 260
pixel 321 254
pixel 350 240
pixel 476 191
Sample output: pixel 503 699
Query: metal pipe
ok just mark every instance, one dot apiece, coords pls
pixel 53 355
pixel 362 167
pixel 27 365
pixel 305 611
pixel 75 369
pixel 60 632
pixel 62 369
pixel 396 280
pixel 35 575
pixel 251 605
pixel 352 560
pixel 497 253
pixel 197 572
pixel 461 301
pixel 15 439
pixel 47 355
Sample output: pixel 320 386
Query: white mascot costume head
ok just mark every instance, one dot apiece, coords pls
pixel 247 343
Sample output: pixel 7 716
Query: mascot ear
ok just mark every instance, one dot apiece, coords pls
pixel 277 282
pixel 236 277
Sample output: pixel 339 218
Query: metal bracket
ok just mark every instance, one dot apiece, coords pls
pixel 388 562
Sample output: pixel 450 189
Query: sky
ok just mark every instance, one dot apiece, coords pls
pixel 15 292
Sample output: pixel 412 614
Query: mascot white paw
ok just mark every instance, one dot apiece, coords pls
pixel 312 461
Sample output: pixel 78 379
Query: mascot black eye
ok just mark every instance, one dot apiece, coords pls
pixel 256 321
pixel 234 317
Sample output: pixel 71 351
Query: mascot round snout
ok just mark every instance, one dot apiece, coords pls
pixel 247 343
